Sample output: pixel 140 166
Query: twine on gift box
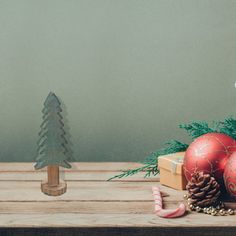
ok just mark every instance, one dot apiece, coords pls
pixel 174 164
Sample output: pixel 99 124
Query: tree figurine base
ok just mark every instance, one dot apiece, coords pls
pixel 53 190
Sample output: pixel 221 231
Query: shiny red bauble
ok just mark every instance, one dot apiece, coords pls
pixel 209 153
pixel 230 175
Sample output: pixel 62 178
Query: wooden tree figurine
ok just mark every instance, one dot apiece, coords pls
pixel 52 147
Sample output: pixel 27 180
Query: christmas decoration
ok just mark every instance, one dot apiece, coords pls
pixel 150 164
pixel 203 190
pixel 215 210
pixel 195 129
pixel 209 153
pixel 204 195
pixel 171 170
pixel 52 146
pixel 230 175
pixel 168 213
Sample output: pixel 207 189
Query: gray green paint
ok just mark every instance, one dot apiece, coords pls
pixel 53 145
pixel 129 72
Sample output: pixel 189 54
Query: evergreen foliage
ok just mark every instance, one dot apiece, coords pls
pixel 52 144
pixel 195 129
pixel 198 128
pixel 151 162
pixel 228 126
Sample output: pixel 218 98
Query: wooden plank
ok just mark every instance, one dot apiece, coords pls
pixel 77 207
pixel 82 191
pixel 74 176
pixel 81 207
pixel 111 220
pixel 76 166
pixel 119 207
pixel 84 171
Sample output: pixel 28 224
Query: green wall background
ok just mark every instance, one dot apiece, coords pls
pixel 129 72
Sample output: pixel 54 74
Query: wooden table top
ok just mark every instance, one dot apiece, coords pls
pixel 92 205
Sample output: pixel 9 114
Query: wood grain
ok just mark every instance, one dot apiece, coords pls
pixel 53 175
pixel 93 176
pixel 76 166
pixel 111 220
pixel 81 191
pixel 93 206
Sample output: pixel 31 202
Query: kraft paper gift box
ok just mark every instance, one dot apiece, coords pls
pixel 171 170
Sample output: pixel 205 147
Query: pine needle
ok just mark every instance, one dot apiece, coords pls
pixel 195 129
pixel 228 126
pixel 151 162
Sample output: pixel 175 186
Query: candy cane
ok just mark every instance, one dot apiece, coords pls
pixel 167 213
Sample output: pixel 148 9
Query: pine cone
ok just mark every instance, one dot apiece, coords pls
pixel 203 190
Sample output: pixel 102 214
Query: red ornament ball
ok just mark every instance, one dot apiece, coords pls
pixel 230 175
pixel 209 153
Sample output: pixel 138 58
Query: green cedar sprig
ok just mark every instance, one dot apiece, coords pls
pixel 194 129
pixel 228 126
pixel 151 162
pixel 197 128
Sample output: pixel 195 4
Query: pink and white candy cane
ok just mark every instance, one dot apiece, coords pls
pixel 168 213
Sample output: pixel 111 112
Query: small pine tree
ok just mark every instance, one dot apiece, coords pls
pixel 52 144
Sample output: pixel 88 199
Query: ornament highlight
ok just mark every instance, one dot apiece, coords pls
pixel 230 175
